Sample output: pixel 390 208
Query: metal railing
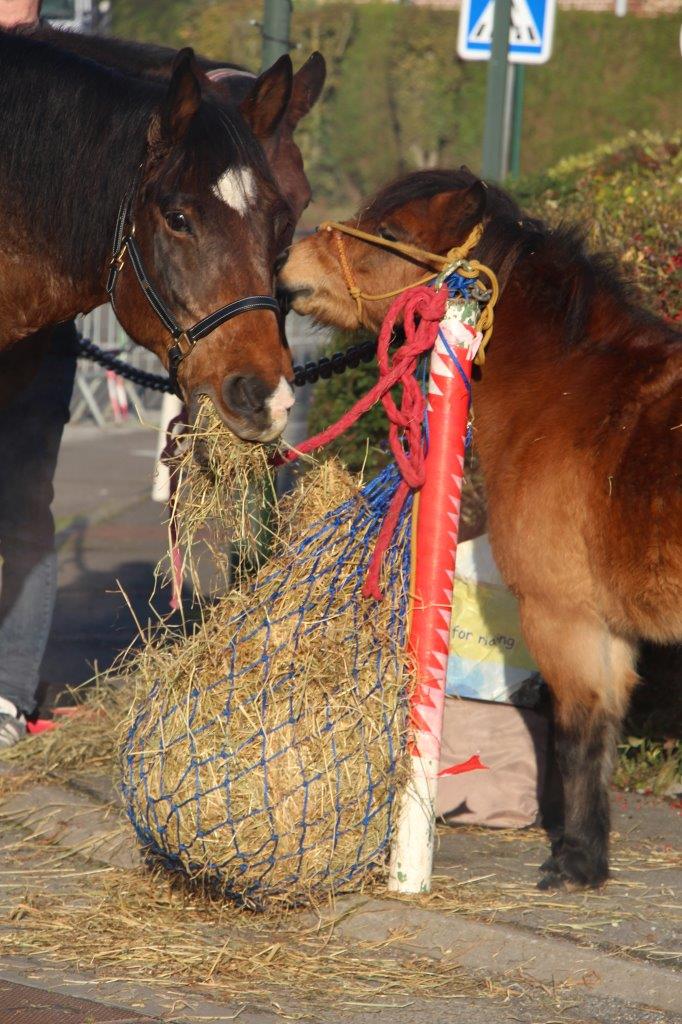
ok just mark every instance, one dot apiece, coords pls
pixel 104 397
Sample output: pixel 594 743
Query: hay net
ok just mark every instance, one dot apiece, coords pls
pixel 266 757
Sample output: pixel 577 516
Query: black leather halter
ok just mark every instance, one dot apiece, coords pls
pixel 185 340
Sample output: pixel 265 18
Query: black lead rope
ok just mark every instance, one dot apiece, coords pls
pixel 304 373
pixel 184 340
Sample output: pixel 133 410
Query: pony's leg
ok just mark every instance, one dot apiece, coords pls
pixel 590 673
pixel 552 802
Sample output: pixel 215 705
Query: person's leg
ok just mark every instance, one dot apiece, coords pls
pixel 30 434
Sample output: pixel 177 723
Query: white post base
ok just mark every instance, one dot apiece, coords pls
pixel 171 407
pixel 412 847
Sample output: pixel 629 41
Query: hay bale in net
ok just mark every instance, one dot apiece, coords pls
pixel 265 752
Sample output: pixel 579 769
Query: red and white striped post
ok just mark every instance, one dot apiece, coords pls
pixel 437 523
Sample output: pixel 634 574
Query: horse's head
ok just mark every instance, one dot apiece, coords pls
pixel 430 210
pixel 208 223
pixel 282 152
pixel 233 85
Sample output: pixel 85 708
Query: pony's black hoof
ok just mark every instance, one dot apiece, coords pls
pixel 560 873
pixel 551 880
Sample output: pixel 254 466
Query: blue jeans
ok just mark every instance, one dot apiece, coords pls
pixel 30 434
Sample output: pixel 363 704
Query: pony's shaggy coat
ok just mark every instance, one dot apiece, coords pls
pixel 578 424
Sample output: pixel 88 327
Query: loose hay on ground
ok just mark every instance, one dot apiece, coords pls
pixel 86 740
pixel 140 925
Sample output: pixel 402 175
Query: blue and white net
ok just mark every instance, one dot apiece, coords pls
pixel 265 752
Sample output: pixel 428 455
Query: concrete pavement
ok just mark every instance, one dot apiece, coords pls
pixel 110 536
pixel 598 958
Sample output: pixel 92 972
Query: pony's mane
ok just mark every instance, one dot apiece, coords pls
pixel 73 135
pixel 565 277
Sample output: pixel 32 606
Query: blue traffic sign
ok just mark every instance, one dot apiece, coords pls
pixel 530 33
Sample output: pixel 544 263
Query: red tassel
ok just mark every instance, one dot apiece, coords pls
pixel 474 764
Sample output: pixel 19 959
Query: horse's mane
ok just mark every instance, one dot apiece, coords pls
pixel 72 137
pixel 565 277
pixel 131 57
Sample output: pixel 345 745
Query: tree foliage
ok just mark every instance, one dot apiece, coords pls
pixel 398 98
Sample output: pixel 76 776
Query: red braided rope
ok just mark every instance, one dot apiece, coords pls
pixel 405 421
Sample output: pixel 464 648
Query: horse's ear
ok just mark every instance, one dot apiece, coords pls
pixel 441 204
pixel 468 204
pixel 306 88
pixel 182 99
pixel 266 104
pixel 478 192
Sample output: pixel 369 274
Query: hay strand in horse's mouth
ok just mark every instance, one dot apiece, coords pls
pixel 223 495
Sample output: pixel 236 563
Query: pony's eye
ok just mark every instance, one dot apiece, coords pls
pixel 177 221
pixel 388 235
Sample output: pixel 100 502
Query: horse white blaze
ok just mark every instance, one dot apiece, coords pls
pixel 281 400
pixel 279 404
pixel 237 188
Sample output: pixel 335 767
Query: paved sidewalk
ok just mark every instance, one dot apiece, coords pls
pixel 599 958
pixel 110 536
pixel 595 958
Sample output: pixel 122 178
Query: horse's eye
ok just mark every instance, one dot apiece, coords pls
pixel 388 235
pixel 177 221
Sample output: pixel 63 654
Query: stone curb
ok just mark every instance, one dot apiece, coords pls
pixel 503 949
pixel 77 822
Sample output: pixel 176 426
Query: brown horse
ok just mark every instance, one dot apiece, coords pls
pixel 90 157
pixel 229 83
pixel 578 425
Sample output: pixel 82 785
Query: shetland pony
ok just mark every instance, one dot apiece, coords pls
pixel 578 426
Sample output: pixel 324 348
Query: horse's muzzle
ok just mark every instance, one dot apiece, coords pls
pixel 253 410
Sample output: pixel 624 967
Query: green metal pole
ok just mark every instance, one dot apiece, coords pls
pixel 276 31
pixel 517 121
pixel 496 95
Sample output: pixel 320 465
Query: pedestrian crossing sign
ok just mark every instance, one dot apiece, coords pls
pixel 530 33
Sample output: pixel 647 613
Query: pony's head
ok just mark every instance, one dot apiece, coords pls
pixel 209 224
pixel 434 211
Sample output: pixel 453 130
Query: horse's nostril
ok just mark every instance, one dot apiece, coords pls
pixel 245 395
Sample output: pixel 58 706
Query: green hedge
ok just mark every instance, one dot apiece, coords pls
pixel 628 194
pixel 398 97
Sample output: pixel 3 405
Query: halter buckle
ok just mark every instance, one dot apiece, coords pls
pixel 184 344
pixel 118 260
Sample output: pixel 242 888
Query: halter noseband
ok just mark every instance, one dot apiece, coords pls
pixel 185 340
pixel 454 260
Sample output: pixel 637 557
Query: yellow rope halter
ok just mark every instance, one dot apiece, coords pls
pixel 454 260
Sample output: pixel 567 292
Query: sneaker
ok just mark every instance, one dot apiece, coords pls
pixel 12 728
